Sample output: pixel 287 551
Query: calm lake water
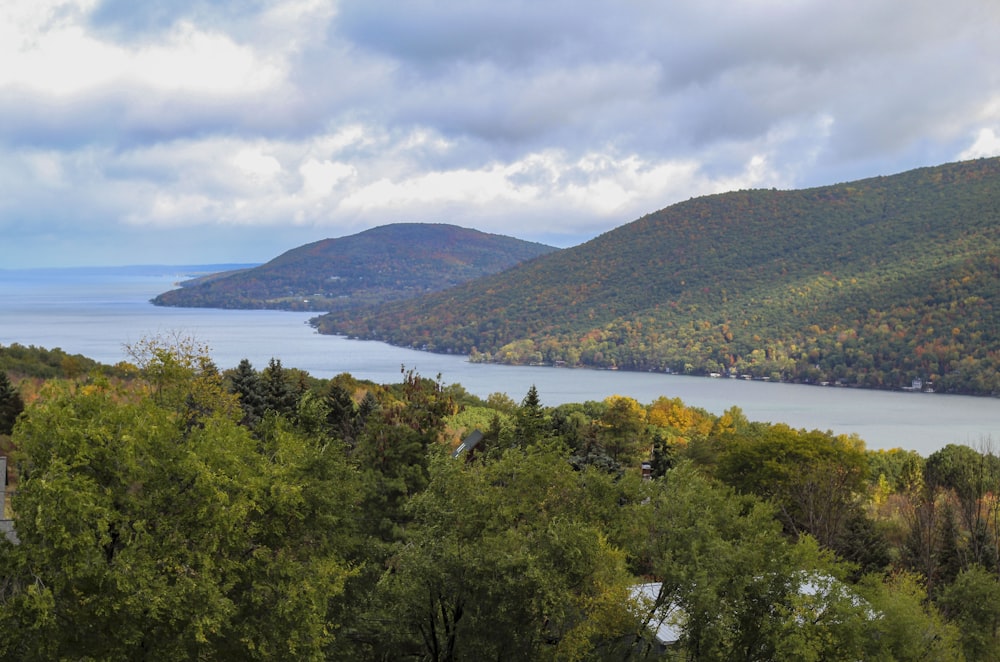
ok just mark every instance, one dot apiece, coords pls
pixel 94 312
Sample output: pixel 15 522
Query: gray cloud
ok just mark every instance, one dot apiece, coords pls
pixel 253 120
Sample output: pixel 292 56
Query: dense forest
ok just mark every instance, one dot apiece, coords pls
pixel 386 263
pixel 875 283
pixel 171 510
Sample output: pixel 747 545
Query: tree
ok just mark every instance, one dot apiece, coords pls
pixel 112 513
pixel 972 602
pixel 341 413
pixel 970 475
pixel 279 396
pixel 502 562
pixel 11 404
pixel 166 360
pixel 245 383
pixel 144 536
pixel 622 429
pixel 664 456
pixel 735 587
pixel 530 419
pixel 903 624
pixel 814 478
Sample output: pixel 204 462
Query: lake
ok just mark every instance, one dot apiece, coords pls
pixel 95 311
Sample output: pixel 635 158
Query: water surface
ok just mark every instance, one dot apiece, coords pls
pixel 94 312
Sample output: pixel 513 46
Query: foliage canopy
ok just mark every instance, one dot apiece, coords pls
pixel 873 283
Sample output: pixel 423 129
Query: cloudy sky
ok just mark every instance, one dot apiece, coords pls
pixel 197 131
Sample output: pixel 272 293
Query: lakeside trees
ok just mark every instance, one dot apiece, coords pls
pixel 157 520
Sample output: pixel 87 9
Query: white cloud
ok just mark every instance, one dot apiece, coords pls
pixel 256 164
pixel 176 210
pixel 528 118
pixel 320 178
pixel 61 58
pixel 987 143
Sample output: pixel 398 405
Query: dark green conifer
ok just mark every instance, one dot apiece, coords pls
pixel 530 418
pixel 664 456
pixel 11 404
pixel 341 414
pixel 279 395
pixel 245 382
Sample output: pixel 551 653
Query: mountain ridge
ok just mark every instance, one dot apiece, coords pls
pixel 874 283
pixel 385 263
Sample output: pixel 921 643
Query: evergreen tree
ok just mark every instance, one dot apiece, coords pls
pixel 949 553
pixel 664 455
pixel 279 395
pixel 368 406
pixel 341 414
pixel 11 404
pixel 862 543
pixel 530 419
pixel 245 382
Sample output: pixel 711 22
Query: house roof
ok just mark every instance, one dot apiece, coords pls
pixel 468 443
pixel 665 623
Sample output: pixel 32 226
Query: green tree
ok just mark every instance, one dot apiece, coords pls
pixel 664 455
pixel 970 475
pixel 723 568
pixel 342 413
pixel 245 382
pixel 903 470
pixel 734 586
pixel 972 602
pixel 290 595
pixel 530 419
pixel 11 404
pixel 505 560
pixel 166 361
pixel 623 425
pixel 143 536
pixel 814 478
pixel 279 396
pixel 903 624
pixel 132 534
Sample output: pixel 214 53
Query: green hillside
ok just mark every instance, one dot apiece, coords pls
pixel 386 263
pixel 872 283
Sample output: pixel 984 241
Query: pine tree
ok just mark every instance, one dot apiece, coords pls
pixel 245 382
pixel 664 456
pixel 11 404
pixel 341 415
pixel 530 418
pixel 278 393
pixel 368 406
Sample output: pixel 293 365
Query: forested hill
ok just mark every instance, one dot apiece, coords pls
pixel 386 263
pixel 872 283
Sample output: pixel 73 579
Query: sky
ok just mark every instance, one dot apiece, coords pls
pixel 197 131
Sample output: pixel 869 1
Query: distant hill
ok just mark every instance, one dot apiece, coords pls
pixel 386 263
pixel 873 283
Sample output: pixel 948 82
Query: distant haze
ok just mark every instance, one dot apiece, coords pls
pixel 197 131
